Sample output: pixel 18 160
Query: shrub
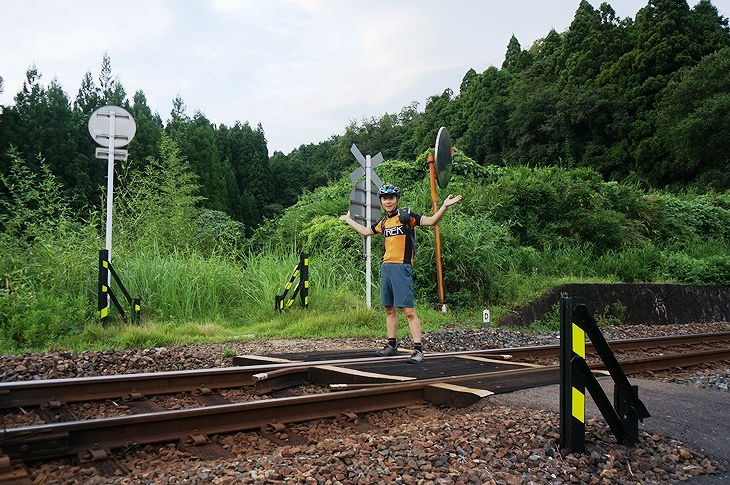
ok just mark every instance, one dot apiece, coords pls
pixel 36 320
pixel 216 231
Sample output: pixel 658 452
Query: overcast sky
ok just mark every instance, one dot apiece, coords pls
pixel 302 68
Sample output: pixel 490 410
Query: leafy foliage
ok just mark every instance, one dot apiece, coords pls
pixel 598 153
pixel 217 231
pixel 157 206
pixel 46 261
pixel 35 208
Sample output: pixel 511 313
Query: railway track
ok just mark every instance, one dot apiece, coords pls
pixel 359 392
pixel 55 392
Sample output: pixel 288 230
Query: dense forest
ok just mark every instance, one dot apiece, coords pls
pixel 596 154
pixel 641 100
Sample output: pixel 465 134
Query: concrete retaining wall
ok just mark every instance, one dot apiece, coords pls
pixel 651 304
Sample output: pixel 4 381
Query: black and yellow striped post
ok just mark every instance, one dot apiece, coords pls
pixel 576 376
pixel 572 382
pixel 103 289
pixel 304 292
pixel 301 270
pixel 107 296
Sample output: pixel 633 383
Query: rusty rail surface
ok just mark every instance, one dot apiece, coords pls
pixel 35 393
pixel 68 390
pixel 71 438
pixel 670 361
pixel 55 440
pixel 553 351
pixel 48 441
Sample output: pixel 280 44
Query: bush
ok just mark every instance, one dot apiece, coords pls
pixel 37 320
pixel 326 236
pixel 216 231
pixel 703 217
pixel 714 270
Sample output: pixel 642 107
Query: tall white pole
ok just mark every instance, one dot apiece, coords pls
pixel 110 196
pixel 368 222
pixel 110 182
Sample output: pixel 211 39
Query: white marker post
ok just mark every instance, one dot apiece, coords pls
pixel 363 209
pixel 368 240
pixel 111 127
pixel 110 181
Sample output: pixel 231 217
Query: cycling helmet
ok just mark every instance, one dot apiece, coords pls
pixel 388 190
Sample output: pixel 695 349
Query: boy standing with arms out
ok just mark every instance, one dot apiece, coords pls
pixel 396 277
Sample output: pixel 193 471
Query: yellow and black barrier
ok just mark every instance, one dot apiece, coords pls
pixel 575 376
pixel 301 270
pixel 106 295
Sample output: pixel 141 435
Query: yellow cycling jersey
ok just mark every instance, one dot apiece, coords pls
pixel 399 238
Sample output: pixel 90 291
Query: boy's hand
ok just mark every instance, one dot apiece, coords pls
pixel 451 200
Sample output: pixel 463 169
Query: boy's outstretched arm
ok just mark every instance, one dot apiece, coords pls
pixel 434 219
pixel 362 230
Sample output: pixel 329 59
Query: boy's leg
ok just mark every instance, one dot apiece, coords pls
pixel 414 323
pixel 391 319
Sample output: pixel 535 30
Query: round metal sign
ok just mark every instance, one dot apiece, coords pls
pixel 442 157
pixel 100 126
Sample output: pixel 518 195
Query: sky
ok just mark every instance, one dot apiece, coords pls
pixel 304 69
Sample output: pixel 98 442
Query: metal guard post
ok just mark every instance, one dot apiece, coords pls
pixel 301 270
pixel 576 375
pixel 103 289
pixel 572 384
pixel 105 293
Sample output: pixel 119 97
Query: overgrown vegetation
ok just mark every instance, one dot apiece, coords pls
pixel 517 232
pixel 627 97
pixel 596 155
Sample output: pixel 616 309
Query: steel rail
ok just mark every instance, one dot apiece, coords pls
pixel 67 390
pixel 553 351
pixel 56 440
pixel 629 366
pixel 49 441
pixel 669 361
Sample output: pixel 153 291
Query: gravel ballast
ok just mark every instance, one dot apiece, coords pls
pixel 486 443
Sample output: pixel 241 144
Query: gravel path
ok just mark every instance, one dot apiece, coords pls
pixel 484 444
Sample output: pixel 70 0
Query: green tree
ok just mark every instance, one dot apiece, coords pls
pixel 308 167
pixel 201 149
pixel 26 124
pixel 250 185
pixel 89 172
pixel 595 40
pixel 532 110
pixel 532 105
pixel 589 121
pixel 156 207
pixel 692 123
pixel 663 43
pixel 371 136
pixel 483 101
pixel 148 133
pixel 112 91
pixel 196 138
pixel 710 28
pixel 87 99
pixel 42 126
pixel 516 60
pixel 441 110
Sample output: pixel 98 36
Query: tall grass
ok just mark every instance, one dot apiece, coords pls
pixel 516 233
